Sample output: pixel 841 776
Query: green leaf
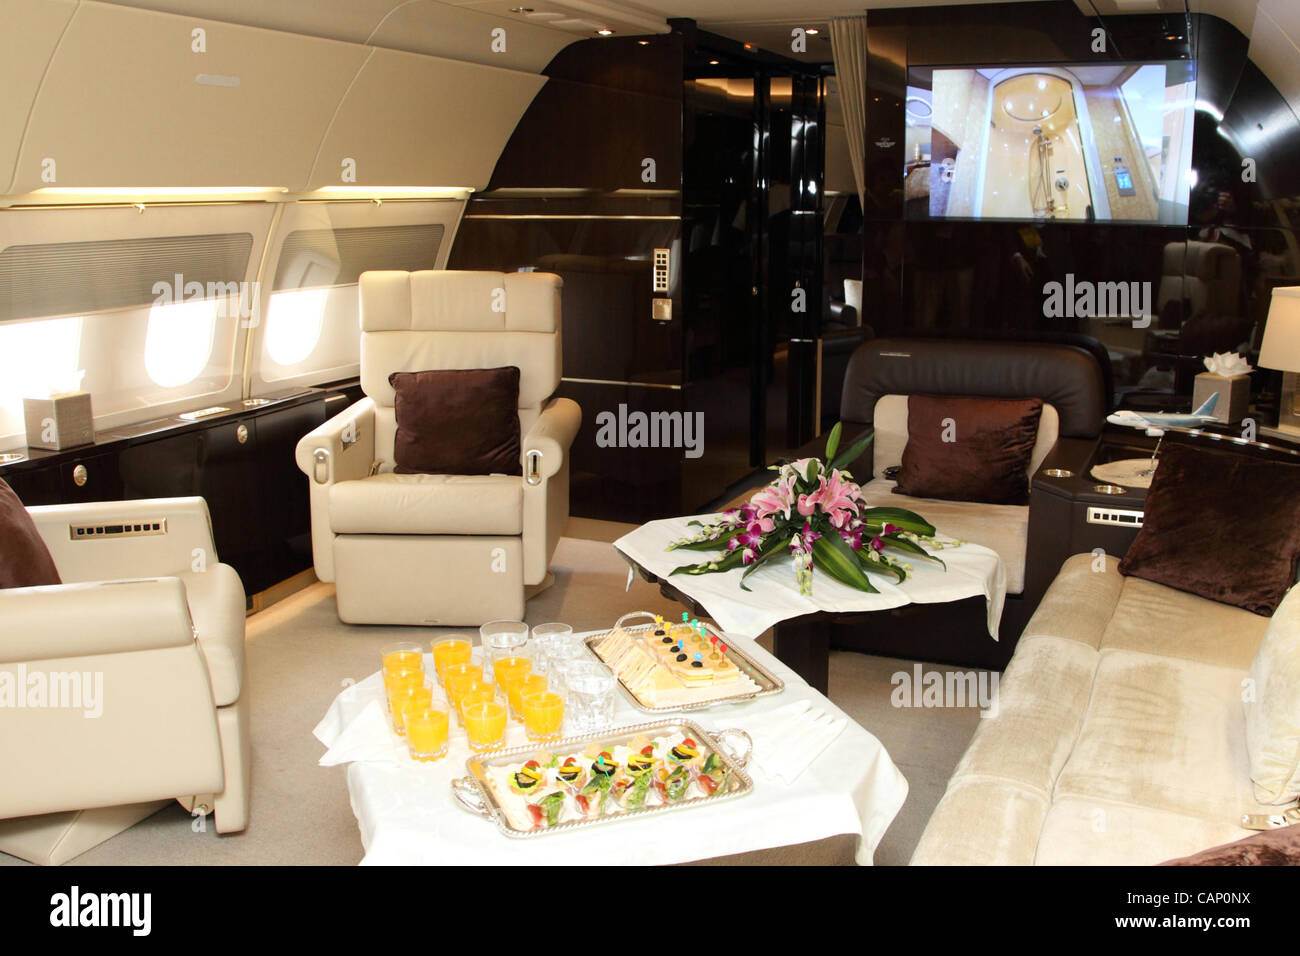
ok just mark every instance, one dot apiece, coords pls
pixel 725 563
pixel 876 518
pixel 911 547
pixel 854 453
pixel 716 544
pixel 833 555
pixel 833 442
pixel 771 546
pixel 869 565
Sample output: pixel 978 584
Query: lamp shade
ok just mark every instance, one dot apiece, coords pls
pixel 1281 346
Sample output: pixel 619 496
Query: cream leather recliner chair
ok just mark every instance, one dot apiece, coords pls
pixel 142 649
pixel 443 549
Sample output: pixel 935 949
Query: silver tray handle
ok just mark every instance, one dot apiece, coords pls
pixel 467 794
pixel 632 614
pixel 723 739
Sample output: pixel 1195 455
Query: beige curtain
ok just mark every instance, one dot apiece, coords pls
pixel 849 48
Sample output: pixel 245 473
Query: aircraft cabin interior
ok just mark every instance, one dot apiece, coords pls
pixel 440 432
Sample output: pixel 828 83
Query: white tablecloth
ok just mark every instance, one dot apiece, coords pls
pixel 972 571
pixel 407 814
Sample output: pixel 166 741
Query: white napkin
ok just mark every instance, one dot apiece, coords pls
pixel 788 739
pixel 368 737
pixel 1227 364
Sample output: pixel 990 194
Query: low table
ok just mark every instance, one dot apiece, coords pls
pixel 801 625
pixel 407 814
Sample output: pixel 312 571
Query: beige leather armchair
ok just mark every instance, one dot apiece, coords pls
pixel 125 685
pixel 443 549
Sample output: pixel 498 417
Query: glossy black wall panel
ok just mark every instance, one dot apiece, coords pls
pixel 622 483
pixel 608 332
pixel 991 277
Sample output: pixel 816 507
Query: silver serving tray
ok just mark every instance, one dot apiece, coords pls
pixel 768 683
pixel 473 793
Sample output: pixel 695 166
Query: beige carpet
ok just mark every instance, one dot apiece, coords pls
pixel 300 656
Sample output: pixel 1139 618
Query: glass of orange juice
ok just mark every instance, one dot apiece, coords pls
pixel 485 725
pixel 474 692
pixel 505 667
pixel 501 639
pixel 457 678
pixel 517 685
pixel 543 714
pixel 407 699
pixel 402 656
pixel 401 682
pixel 426 733
pixel 449 651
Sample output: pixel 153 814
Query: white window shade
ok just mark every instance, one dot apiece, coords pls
pixel 76 278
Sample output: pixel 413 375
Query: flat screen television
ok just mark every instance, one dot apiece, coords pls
pixel 1079 141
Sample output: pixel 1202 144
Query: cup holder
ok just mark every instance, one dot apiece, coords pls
pixel 1109 490
pixel 8 458
pixel 1058 473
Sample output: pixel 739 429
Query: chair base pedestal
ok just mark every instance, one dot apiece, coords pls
pixel 51 839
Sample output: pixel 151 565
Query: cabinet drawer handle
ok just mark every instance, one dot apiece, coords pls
pixel 241 434
pixel 80 476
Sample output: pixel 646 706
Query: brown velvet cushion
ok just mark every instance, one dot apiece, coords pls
pixel 1280 847
pixel 987 456
pixel 25 562
pixel 457 421
pixel 1220 525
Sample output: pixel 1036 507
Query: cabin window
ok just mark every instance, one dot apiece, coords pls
pixel 178 342
pixel 312 328
pixel 293 325
pixel 35 359
pixel 145 323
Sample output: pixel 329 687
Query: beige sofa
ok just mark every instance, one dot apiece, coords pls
pixel 1121 735
pixel 143 647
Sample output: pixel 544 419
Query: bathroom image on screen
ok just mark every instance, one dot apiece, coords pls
pixel 1072 142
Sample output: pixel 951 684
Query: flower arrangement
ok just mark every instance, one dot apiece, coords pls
pixel 816 512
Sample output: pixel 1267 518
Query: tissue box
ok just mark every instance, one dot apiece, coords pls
pixel 1233 392
pixel 60 421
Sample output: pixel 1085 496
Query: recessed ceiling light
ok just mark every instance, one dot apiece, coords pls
pixel 713 63
pixel 605 32
pixel 643 42
pixel 521 9
pixel 749 46
pixel 812 31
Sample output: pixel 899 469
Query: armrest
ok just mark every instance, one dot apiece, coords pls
pixel 342 449
pixel 181 542
pixel 94 617
pixel 547 443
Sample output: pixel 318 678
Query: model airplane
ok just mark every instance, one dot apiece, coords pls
pixel 1155 423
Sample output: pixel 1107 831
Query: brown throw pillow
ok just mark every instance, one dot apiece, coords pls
pixel 25 562
pixel 457 421
pixel 1220 525
pixel 965 448
pixel 1280 847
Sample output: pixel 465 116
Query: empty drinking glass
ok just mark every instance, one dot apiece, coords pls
pixel 590 690
pixel 501 639
pixel 547 637
pixel 561 658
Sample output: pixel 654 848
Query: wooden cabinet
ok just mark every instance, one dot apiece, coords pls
pixel 241 463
